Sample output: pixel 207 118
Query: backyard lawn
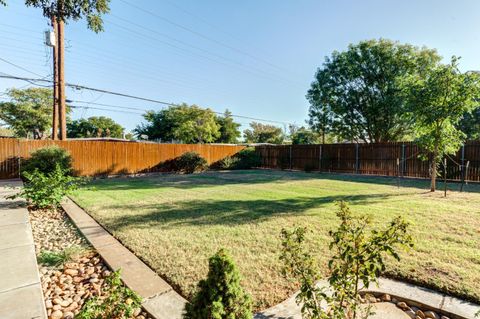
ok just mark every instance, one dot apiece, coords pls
pixel 176 222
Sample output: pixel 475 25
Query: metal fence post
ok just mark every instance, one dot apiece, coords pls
pixel 356 158
pixel 291 157
pixel 320 158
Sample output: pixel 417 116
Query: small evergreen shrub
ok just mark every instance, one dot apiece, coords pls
pixel 357 262
pixel 220 295
pixel 190 162
pixel 229 162
pixel 47 190
pixel 45 159
pixel 120 302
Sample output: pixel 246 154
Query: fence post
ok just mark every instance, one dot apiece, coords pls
pixel 320 158
pixel 291 157
pixel 404 164
pixel 356 158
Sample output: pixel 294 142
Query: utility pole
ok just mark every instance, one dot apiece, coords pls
pixel 55 82
pixel 61 80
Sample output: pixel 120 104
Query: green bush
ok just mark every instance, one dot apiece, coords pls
pixel 190 162
pixel 45 159
pixel 245 159
pixel 120 302
pixel 220 296
pixel 358 261
pixel 47 190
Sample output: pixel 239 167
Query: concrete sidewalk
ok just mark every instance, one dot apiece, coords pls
pixel 21 294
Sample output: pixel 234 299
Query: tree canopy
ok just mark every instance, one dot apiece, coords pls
pixel 229 129
pixel 437 102
pixel 188 124
pixel 263 133
pixel 66 10
pixel 302 135
pixel 29 112
pixel 94 126
pixel 357 94
pixel 470 124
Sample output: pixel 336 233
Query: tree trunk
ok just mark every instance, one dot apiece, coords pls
pixel 434 169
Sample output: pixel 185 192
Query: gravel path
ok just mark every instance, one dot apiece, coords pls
pixel 67 287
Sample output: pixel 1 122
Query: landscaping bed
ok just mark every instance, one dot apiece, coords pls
pixel 175 223
pixel 71 272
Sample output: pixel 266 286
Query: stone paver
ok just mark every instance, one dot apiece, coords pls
pixel 21 295
pixel 160 300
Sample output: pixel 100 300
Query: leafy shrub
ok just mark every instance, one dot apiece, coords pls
pixel 45 159
pixel 190 162
pixel 47 190
pixel 120 302
pixel 358 258
pixel 248 158
pixel 245 159
pixel 220 296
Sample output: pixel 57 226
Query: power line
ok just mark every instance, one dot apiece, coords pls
pixel 82 87
pixel 202 35
pixel 21 68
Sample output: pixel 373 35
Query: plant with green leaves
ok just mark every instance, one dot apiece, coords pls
pixel 220 295
pixel 65 10
pixel 47 190
pixel 46 159
pixel 120 301
pixel 190 162
pixel 54 259
pixel 357 262
pixel 437 102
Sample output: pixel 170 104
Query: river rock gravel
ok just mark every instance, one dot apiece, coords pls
pixel 67 287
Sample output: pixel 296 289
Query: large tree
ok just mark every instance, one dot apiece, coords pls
pixel 470 124
pixel 357 93
pixel 94 126
pixel 263 133
pixel 65 10
pixel 29 112
pixel 229 129
pixel 185 123
pixel 437 102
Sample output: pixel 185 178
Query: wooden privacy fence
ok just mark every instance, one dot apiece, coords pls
pixel 108 157
pixel 371 159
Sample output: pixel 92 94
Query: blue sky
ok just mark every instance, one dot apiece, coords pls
pixel 256 58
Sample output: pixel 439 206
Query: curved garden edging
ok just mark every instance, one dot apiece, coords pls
pixel 162 301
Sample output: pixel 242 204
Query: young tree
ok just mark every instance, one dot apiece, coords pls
pixel 437 103
pixel 187 123
pixel 357 93
pixel 263 133
pixel 229 132
pixel 93 127
pixel 220 295
pixel 28 113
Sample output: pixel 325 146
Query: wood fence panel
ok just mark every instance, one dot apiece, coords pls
pixel 92 158
pixel 386 159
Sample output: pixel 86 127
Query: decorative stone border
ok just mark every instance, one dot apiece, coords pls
pixel 160 300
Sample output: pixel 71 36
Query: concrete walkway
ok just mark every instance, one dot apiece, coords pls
pixel 21 294
pixel 160 300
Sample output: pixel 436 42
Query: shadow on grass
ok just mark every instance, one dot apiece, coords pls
pixel 221 212
pixel 219 178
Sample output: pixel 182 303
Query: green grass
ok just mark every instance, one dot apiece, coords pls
pixel 56 259
pixel 175 222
